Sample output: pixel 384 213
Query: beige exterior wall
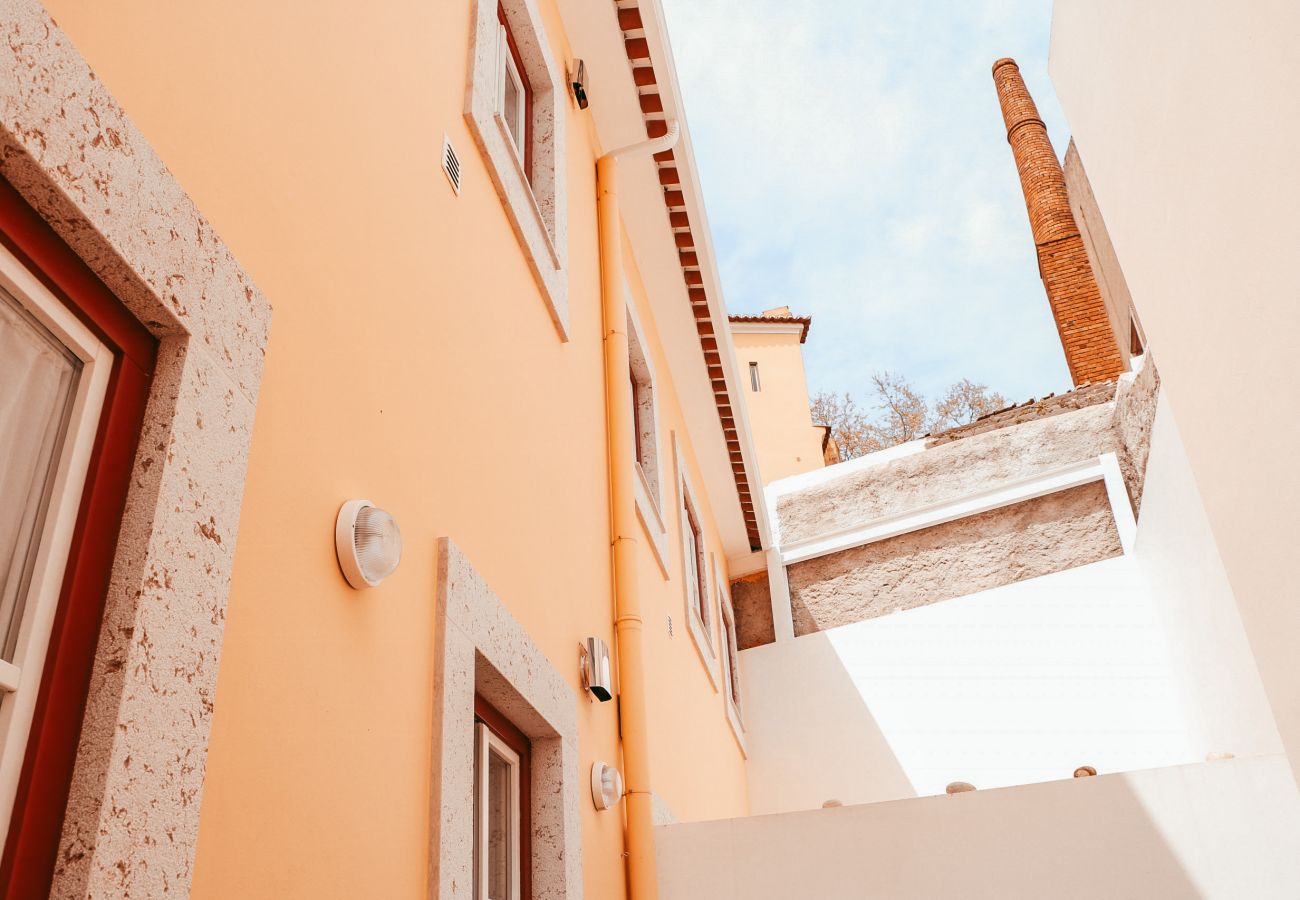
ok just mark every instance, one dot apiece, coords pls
pixel 1192 164
pixel 785 436
pixel 414 362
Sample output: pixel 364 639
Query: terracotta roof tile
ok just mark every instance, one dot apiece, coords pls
pixel 1034 408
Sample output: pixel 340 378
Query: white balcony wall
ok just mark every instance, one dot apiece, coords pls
pixel 1225 830
pixel 1134 662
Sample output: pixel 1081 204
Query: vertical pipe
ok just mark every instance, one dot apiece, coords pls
pixel 639 839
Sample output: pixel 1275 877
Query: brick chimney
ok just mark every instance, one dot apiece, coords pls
pixel 1077 306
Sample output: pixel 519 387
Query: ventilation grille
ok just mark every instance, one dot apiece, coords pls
pixel 450 164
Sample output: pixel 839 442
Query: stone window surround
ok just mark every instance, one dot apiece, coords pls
pixel 480 648
pixel 701 631
pixel 727 633
pixel 70 151
pixel 648 485
pixel 537 210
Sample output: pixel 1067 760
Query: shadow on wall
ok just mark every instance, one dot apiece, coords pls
pixel 850 761
pixel 1014 685
pixel 1219 830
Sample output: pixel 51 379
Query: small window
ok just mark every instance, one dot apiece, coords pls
pixel 1135 347
pixel 730 660
pixel 637 437
pixel 693 553
pixel 645 438
pixel 502 864
pixel 516 108
pixel 514 95
pixel 753 378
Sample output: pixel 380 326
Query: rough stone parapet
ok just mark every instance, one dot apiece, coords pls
pixel 947 473
pixel 1037 537
pixel 1135 414
pixel 1036 408
pixel 751 599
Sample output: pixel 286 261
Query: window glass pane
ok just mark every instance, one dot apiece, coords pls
pixel 500 853
pixel 512 105
pixel 38 378
pixel 691 551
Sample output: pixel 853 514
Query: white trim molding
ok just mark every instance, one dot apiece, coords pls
pixel 731 684
pixel 36 610
pixel 701 631
pixel 776 326
pixel 652 523
pixel 1100 468
pixel 537 209
pixel 481 649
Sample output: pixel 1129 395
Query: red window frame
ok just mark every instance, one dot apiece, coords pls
pixel 27 867
pixel 700 574
pixel 637 441
pixel 528 92
pixel 517 741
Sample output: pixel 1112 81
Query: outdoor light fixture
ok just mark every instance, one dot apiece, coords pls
pixel 579 83
pixel 368 543
pixel 594 655
pixel 606 785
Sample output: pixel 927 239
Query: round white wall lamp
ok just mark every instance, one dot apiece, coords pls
pixel 368 543
pixel 606 785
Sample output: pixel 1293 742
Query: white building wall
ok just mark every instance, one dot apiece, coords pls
pixel 1018 684
pixel 1135 662
pixel 1220 687
pixel 1185 116
pixel 1223 830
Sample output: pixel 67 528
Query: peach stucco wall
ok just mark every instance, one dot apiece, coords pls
pixel 784 436
pixel 1184 114
pixel 412 361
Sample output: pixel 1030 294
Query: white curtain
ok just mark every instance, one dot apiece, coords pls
pixel 38 377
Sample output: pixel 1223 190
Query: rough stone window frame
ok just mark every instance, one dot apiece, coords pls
pixel 536 201
pixel 731 688
pixel 700 627
pixel 83 166
pixel 480 649
pixel 648 485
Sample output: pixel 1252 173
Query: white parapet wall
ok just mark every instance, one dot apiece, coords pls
pixel 1134 662
pixel 1219 684
pixel 1018 684
pixel 1227 830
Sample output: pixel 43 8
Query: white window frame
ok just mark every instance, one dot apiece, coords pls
pixel 731 687
pixel 648 485
pixel 488 742
pixel 20 680
pixel 755 383
pixel 507 71
pixel 536 206
pixel 701 629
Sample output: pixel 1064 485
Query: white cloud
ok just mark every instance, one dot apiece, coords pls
pixel 855 167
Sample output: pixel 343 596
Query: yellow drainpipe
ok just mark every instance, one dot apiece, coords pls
pixel 639 837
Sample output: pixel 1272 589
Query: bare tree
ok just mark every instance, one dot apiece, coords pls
pixel 850 429
pixel 900 413
pixel 964 402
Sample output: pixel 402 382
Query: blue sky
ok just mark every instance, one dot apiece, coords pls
pixel 855 167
